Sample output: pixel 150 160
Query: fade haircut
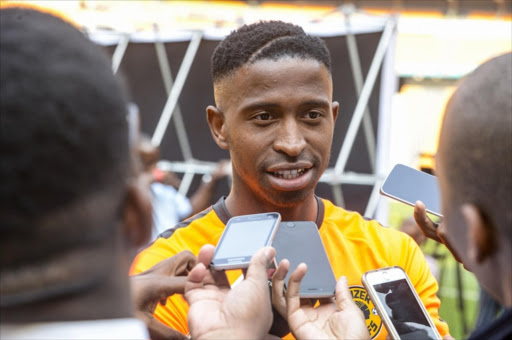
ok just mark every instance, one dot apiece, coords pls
pixel 478 156
pixel 266 40
pixel 63 133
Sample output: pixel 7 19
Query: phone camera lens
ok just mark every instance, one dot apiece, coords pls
pixel 290 224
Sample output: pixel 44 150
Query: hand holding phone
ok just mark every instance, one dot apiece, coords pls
pixel 398 304
pixel 242 237
pixel 408 185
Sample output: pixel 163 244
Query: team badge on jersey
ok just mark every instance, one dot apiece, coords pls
pixel 362 300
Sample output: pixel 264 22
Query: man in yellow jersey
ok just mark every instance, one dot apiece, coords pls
pixel 275 114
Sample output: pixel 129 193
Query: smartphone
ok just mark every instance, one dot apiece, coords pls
pixel 409 185
pixel 300 242
pixel 242 237
pixel 398 304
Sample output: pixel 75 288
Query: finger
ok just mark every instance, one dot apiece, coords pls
pixel 343 296
pixel 169 285
pixel 426 225
pixel 259 265
pixel 196 276
pixel 292 291
pixel 205 255
pixel 181 263
pixel 278 282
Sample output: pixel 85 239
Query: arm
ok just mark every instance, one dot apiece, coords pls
pixel 154 285
pixel 202 197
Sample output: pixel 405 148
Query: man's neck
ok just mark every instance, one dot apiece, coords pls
pixel 305 211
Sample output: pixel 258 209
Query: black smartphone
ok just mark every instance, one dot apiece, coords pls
pixel 300 242
pixel 242 237
pixel 398 304
pixel 408 185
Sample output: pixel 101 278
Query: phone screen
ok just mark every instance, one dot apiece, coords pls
pixel 402 308
pixel 409 185
pixel 244 238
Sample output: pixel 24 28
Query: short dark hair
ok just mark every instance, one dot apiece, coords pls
pixel 478 158
pixel 63 125
pixel 266 40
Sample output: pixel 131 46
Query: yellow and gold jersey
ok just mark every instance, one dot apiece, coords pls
pixel 353 244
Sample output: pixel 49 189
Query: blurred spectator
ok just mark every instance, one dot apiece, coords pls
pixel 75 207
pixel 169 205
pixel 410 227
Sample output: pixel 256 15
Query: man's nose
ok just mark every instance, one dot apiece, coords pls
pixel 290 139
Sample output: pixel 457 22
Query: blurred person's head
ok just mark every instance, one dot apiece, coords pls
pixel 274 113
pixel 72 212
pixel 474 165
pixel 410 227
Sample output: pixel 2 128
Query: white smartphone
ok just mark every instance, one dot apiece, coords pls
pixel 398 304
pixel 242 237
pixel 409 185
pixel 300 242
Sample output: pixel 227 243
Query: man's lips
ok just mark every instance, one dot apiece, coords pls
pixel 290 177
pixel 289 174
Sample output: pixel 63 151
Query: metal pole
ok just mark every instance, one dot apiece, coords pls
pixel 371 206
pixel 118 55
pixel 355 64
pixel 172 100
pixel 165 70
pixel 364 97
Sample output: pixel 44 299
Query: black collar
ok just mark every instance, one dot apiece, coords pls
pixel 222 211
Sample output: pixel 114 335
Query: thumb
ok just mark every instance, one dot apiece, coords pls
pixel 343 296
pixel 260 262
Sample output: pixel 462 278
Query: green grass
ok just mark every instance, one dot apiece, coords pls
pixel 452 310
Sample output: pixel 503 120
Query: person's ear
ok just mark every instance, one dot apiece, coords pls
pixel 335 108
pixel 217 127
pixel 137 213
pixel 481 237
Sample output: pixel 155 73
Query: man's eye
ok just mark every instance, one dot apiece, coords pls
pixel 313 115
pixel 263 116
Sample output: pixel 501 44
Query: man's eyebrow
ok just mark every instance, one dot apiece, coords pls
pixel 260 105
pixel 269 105
pixel 315 102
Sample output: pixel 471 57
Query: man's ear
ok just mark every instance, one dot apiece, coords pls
pixel 137 213
pixel 335 109
pixel 217 128
pixel 481 237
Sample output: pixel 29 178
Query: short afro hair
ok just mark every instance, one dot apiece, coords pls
pixel 63 124
pixel 266 40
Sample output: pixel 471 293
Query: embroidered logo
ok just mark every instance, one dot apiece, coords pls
pixel 363 301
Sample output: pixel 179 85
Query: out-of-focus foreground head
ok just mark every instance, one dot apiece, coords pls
pixel 474 165
pixel 66 159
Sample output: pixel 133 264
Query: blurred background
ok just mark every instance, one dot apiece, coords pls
pixel 395 64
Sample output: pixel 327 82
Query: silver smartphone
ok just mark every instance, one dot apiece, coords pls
pixel 300 242
pixel 398 304
pixel 242 237
pixel 409 185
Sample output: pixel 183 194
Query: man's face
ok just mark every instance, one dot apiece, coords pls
pixel 278 125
